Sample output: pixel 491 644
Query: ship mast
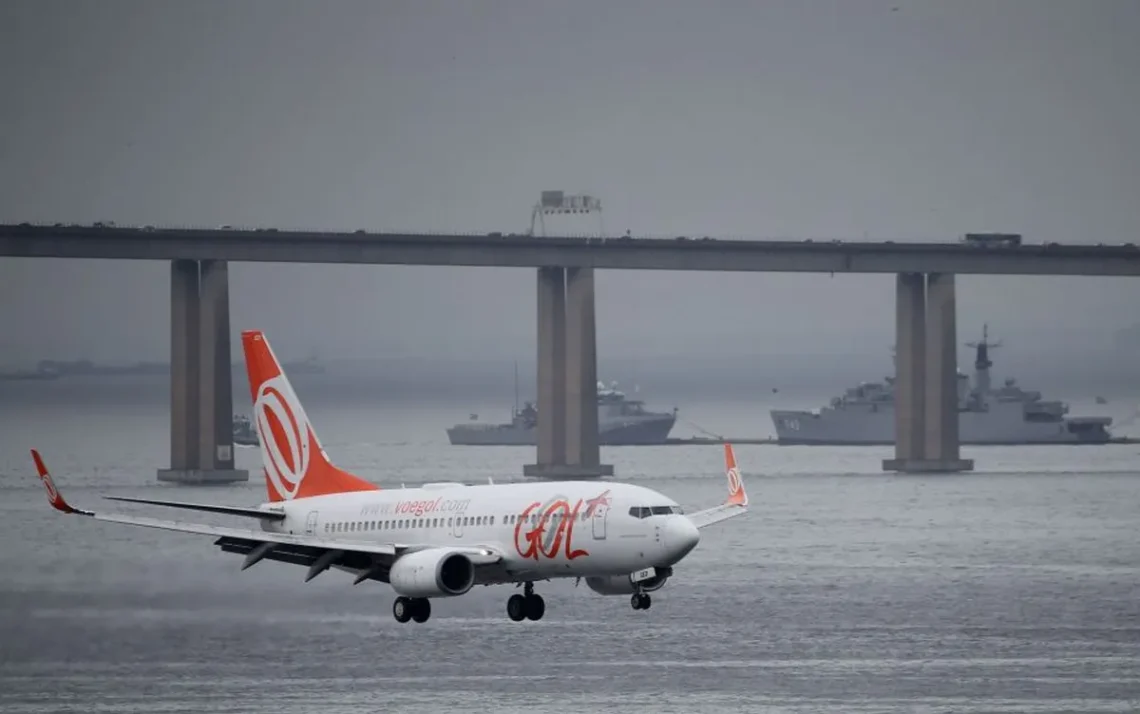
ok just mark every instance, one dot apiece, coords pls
pixel 982 361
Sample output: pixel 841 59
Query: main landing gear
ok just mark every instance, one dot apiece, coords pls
pixel 528 606
pixel 640 601
pixel 411 608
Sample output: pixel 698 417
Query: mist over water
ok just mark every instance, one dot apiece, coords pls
pixel 844 589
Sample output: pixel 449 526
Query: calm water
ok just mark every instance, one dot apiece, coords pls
pixel 1012 589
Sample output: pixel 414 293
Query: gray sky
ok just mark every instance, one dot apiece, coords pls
pixel 788 118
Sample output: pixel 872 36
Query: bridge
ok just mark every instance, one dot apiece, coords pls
pixel 926 425
pixel 522 251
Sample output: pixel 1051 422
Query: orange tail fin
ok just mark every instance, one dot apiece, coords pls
pixel 295 464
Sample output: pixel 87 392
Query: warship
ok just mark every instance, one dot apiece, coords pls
pixel 243 432
pixel 621 422
pixel 1006 415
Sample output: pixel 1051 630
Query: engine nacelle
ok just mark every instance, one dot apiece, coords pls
pixel 623 584
pixel 435 572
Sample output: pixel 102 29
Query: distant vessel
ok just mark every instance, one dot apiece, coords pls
pixel 621 422
pixel 309 365
pixel 53 369
pixel 41 372
pixel 1007 415
pixel 244 434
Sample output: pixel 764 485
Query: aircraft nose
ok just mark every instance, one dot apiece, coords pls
pixel 681 536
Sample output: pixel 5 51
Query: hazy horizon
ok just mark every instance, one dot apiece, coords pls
pixel 656 380
pixel 884 119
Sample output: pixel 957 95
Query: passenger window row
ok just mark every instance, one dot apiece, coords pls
pixel 401 524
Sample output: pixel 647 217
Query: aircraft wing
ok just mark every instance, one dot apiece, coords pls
pixel 709 516
pixel 266 515
pixel 737 502
pixel 370 560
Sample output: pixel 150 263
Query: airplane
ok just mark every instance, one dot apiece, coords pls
pixel 443 538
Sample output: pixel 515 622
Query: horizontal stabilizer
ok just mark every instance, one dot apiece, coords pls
pixel 207 507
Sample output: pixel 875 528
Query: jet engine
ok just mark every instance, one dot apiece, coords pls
pixel 435 572
pixel 623 584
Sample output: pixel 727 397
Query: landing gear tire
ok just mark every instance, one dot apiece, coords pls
pixel 527 606
pixel 402 609
pixel 421 609
pixel 407 608
pixel 535 607
pixel 640 601
pixel 516 607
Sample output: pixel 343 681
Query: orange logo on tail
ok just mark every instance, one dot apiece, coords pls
pixel 733 480
pixel 286 434
pixel 49 485
pixel 736 494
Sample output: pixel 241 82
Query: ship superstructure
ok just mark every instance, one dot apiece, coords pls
pixel 244 432
pixel 621 422
pixel 1007 414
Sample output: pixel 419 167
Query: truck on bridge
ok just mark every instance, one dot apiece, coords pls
pixel 992 239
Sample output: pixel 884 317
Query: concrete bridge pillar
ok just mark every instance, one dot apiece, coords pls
pixel 581 371
pixel 926 376
pixel 551 366
pixel 910 366
pixel 567 377
pixel 201 391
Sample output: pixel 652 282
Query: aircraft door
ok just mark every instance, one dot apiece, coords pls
pixel 599 520
pixel 311 523
pixel 457 525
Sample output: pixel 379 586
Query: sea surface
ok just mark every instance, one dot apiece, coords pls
pixel 1015 588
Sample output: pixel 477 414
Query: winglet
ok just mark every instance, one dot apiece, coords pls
pixel 737 496
pixel 737 502
pixel 55 498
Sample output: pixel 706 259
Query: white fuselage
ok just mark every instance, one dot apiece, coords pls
pixel 544 530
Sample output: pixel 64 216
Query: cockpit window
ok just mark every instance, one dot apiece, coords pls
pixel 647 511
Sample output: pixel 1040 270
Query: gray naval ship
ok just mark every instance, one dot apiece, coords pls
pixel 1006 415
pixel 621 422
pixel 244 434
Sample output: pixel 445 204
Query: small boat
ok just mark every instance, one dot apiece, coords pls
pixel 244 433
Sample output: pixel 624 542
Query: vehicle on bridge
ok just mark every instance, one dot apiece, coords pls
pixel 992 239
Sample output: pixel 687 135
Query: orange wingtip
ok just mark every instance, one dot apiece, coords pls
pixel 737 496
pixel 55 498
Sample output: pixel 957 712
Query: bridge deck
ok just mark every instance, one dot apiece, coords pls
pixel 274 246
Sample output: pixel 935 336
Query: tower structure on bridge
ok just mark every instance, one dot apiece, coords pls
pixel 567 355
pixel 926 376
pixel 201 388
pixel 561 205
